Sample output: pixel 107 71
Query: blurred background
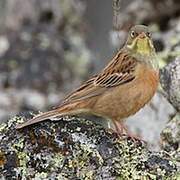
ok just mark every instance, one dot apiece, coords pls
pixel 48 47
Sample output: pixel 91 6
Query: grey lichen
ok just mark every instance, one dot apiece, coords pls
pixel 76 148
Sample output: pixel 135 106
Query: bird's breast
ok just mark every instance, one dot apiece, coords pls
pixel 141 91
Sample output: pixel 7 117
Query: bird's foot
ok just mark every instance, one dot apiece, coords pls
pixel 121 129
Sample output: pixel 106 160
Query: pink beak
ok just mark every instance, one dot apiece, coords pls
pixel 142 35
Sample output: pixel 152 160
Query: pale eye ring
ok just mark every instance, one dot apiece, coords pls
pixel 149 34
pixel 133 34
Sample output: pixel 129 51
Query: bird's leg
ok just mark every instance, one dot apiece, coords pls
pixel 121 128
pixel 118 127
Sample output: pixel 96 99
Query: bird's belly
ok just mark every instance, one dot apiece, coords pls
pixel 126 100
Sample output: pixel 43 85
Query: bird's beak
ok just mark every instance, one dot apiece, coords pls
pixel 142 36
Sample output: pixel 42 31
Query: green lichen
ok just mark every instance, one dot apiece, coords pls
pixel 57 160
pixel 23 160
pixel 22 156
pixel 42 175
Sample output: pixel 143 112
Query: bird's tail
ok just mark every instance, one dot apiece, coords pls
pixel 46 115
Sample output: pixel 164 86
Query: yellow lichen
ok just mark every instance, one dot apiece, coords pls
pixel 2 126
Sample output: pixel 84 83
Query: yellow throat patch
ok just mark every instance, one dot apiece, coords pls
pixel 143 46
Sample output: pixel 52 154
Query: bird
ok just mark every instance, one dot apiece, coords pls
pixel 122 88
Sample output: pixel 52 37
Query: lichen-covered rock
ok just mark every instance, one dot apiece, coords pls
pixel 171 138
pixel 76 148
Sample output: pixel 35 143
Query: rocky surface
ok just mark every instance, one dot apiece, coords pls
pixel 170 137
pixel 76 148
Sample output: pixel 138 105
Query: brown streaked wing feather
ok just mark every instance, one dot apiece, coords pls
pixel 119 71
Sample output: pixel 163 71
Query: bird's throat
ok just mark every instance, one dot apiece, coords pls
pixel 142 47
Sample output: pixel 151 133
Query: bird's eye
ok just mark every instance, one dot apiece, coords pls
pixel 133 34
pixel 149 34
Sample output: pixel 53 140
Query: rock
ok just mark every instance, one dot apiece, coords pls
pixel 170 136
pixel 170 82
pixel 151 120
pixel 76 148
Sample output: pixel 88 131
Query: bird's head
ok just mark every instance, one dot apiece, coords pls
pixel 139 40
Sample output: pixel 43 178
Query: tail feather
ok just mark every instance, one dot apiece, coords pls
pixel 39 118
pixel 61 111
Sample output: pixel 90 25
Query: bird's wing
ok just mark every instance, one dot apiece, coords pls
pixel 118 72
